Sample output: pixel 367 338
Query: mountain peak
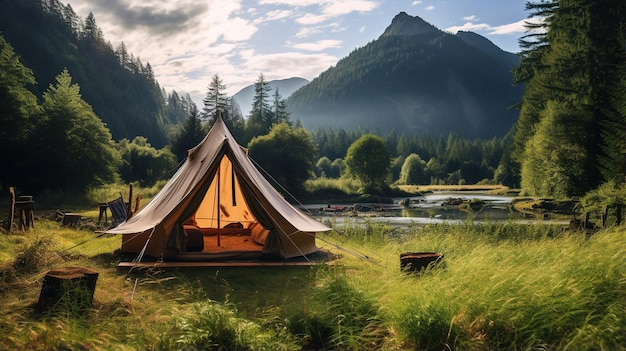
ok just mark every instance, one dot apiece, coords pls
pixel 404 24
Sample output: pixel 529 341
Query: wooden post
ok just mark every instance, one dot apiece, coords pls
pixel 129 210
pixel 68 287
pixel 9 225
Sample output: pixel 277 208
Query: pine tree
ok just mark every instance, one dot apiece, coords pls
pixel 261 116
pixel 74 148
pixel 280 113
pixel 190 135
pixel 216 100
pixel 573 67
pixel 17 107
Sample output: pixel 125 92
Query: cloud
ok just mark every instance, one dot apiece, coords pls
pixel 157 17
pixel 469 27
pixel 319 45
pixel 429 8
pixel 415 3
pixel 278 15
pixel 511 28
pixel 469 18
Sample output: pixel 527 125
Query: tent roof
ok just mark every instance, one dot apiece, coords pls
pixel 191 179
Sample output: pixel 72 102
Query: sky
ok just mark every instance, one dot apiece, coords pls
pixel 187 42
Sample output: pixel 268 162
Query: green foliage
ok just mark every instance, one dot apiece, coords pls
pixel 323 167
pixel 189 135
pixel 17 107
pixel 369 160
pixel 340 317
pixel 215 100
pixel 144 164
pixel 413 171
pixel 504 286
pixel 214 326
pixel 121 89
pixel 403 83
pixel 569 72
pixel 555 161
pixel 608 194
pixel 286 154
pixel 476 159
pixel 69 136
pixel 331 188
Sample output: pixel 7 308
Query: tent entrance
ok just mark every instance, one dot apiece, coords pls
pixel 207 240
pixel 224 222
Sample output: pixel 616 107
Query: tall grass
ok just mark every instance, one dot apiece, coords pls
pixel 501 287
pixel 329 187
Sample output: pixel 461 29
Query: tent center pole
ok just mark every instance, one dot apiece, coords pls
pixel 219 180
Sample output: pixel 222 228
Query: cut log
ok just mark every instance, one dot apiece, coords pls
pixel 71 219
pixel 418 261
pixel 68 287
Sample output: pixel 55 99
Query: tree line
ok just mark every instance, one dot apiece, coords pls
pixel 571 132
pixel 64 140
pixel 569 139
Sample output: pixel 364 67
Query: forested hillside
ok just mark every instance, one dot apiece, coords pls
pixel 48 36
pixel 286 87
pixel 415 79
pixel 571 134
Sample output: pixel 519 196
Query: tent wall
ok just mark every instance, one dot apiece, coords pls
pixel 244 196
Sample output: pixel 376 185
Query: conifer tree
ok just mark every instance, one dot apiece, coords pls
pixel 190 135
pixel 74 148
pixel 261 116
pixel 216 100
pixel 17 107
pixel 280 113
pixel 573 67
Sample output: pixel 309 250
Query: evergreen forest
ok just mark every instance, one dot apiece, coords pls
pixel 77 113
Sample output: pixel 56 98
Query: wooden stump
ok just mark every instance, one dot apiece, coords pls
pixel 71 219
pixel 418 261
pixel 68 287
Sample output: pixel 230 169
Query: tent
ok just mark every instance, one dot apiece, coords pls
pixel 219 206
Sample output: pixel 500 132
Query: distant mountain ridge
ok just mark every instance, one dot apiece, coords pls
pixel 403 24
pixel 417 80
pixel 286 87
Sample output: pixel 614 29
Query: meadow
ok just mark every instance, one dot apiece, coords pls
pixel 499 287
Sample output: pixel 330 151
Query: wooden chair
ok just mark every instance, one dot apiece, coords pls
pixel 22 209
pixel 9 223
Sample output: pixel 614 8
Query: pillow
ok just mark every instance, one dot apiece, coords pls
pixel 259 234
pixel 234 225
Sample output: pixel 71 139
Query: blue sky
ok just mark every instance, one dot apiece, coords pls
pixel 188 41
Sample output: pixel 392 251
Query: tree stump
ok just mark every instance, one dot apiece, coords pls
pixel 71 219
pixel 417 261
pixel 70 288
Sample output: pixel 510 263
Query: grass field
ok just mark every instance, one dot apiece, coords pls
pixel 499 287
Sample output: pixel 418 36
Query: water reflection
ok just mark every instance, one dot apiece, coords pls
pixel 428 209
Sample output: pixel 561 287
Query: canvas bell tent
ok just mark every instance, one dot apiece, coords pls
pixel 219 206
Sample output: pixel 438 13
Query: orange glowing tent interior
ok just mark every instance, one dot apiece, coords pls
pixel 219 206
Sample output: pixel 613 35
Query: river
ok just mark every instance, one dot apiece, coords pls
pixel 429 208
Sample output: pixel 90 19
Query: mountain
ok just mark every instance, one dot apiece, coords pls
pixel 285 87
pixel 486 46
pixel 416 80
pixel 48 36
